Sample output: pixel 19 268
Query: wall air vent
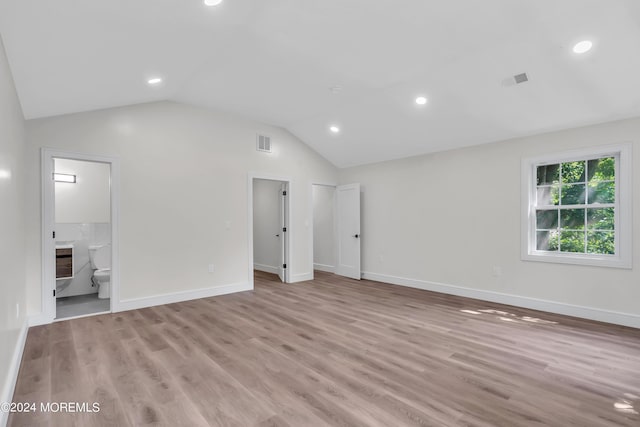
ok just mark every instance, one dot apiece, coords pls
pixel 521 78
pixel 263 143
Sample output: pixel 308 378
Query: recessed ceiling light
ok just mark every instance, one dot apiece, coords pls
pixel 154 81
pixel 334 129
pixel 212 2
pixel 421 100
pixel 583 46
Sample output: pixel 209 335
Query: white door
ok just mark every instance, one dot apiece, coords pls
pixel 348 225
pixel 282 234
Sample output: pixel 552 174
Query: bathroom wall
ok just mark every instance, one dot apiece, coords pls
pixel 88 199
pixel 323 228
pixel 83 218
pixel 266 223
pixel 82 236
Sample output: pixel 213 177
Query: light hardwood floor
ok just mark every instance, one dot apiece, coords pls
pixel 336 352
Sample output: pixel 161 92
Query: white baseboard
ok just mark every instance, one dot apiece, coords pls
pixel 625 319
pixel 12 373
pixel 303 277
pixel 135 303
pixel 266 268
pixel 324 267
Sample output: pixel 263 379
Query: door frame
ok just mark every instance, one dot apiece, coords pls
pixel 288 241
pixel 312 219
pixel 48 227
pixel 283 223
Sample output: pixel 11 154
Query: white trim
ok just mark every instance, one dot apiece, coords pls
pixel 302 277
pixel 115 236
pixel 48 244
pixel 265 268
pixel 170 298
pixel 311 216
pixel 624 194
pixel 9 386
pixel 625 319
pixel 290 194
pixel 324 267
pixel 48 226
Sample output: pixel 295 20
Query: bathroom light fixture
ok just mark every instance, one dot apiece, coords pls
pixel 154 81
pixel 334 129
pixel 583 47
pixel 212 2
pixel 421 100
pixel 63 177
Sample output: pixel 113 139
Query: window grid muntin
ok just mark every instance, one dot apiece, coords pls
pixel 585 206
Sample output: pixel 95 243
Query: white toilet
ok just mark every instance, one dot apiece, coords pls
pixel 100 257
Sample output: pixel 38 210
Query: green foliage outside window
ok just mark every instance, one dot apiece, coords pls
pixel 570 215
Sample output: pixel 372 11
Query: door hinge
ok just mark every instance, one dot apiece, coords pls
pixel 284 229
pixel 284 193
pixel 54 234
pixel 284 265
pixel 54 292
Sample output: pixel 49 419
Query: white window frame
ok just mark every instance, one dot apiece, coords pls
pixel 623 215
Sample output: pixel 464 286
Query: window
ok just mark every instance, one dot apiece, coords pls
pixel 576 207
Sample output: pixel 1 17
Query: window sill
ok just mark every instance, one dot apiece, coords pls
pixel 577 259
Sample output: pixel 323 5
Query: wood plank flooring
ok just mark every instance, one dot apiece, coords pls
pixel 333 352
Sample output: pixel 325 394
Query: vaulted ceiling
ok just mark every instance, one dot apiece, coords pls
pixel 277 60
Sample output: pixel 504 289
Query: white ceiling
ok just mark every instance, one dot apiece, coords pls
pixel 275 61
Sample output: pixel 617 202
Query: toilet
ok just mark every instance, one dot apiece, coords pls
pixel 100 258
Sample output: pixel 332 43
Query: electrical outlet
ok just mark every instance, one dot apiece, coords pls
pixel 212 268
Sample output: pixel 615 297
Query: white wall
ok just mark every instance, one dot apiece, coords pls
pixel 450 217
pixel 183 201
pixel 88 199
pixel 12 231
pixel 266 224
pixel 323 227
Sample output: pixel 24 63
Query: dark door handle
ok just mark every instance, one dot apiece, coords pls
pixel 277 235
pixel 356 236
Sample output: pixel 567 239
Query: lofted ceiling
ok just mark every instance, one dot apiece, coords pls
pixel 276 60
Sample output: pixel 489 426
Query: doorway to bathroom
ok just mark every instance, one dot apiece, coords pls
pixel 79 235
pixel 269 226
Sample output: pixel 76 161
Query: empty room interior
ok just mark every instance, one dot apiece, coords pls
pixel 304 213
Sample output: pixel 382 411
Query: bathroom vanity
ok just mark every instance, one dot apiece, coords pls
pixel 64 262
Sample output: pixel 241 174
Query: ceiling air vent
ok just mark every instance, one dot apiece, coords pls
pixel 521 78
pixel 263 143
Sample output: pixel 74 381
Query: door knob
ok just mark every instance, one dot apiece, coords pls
pixel 356 236
pixel 277 235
